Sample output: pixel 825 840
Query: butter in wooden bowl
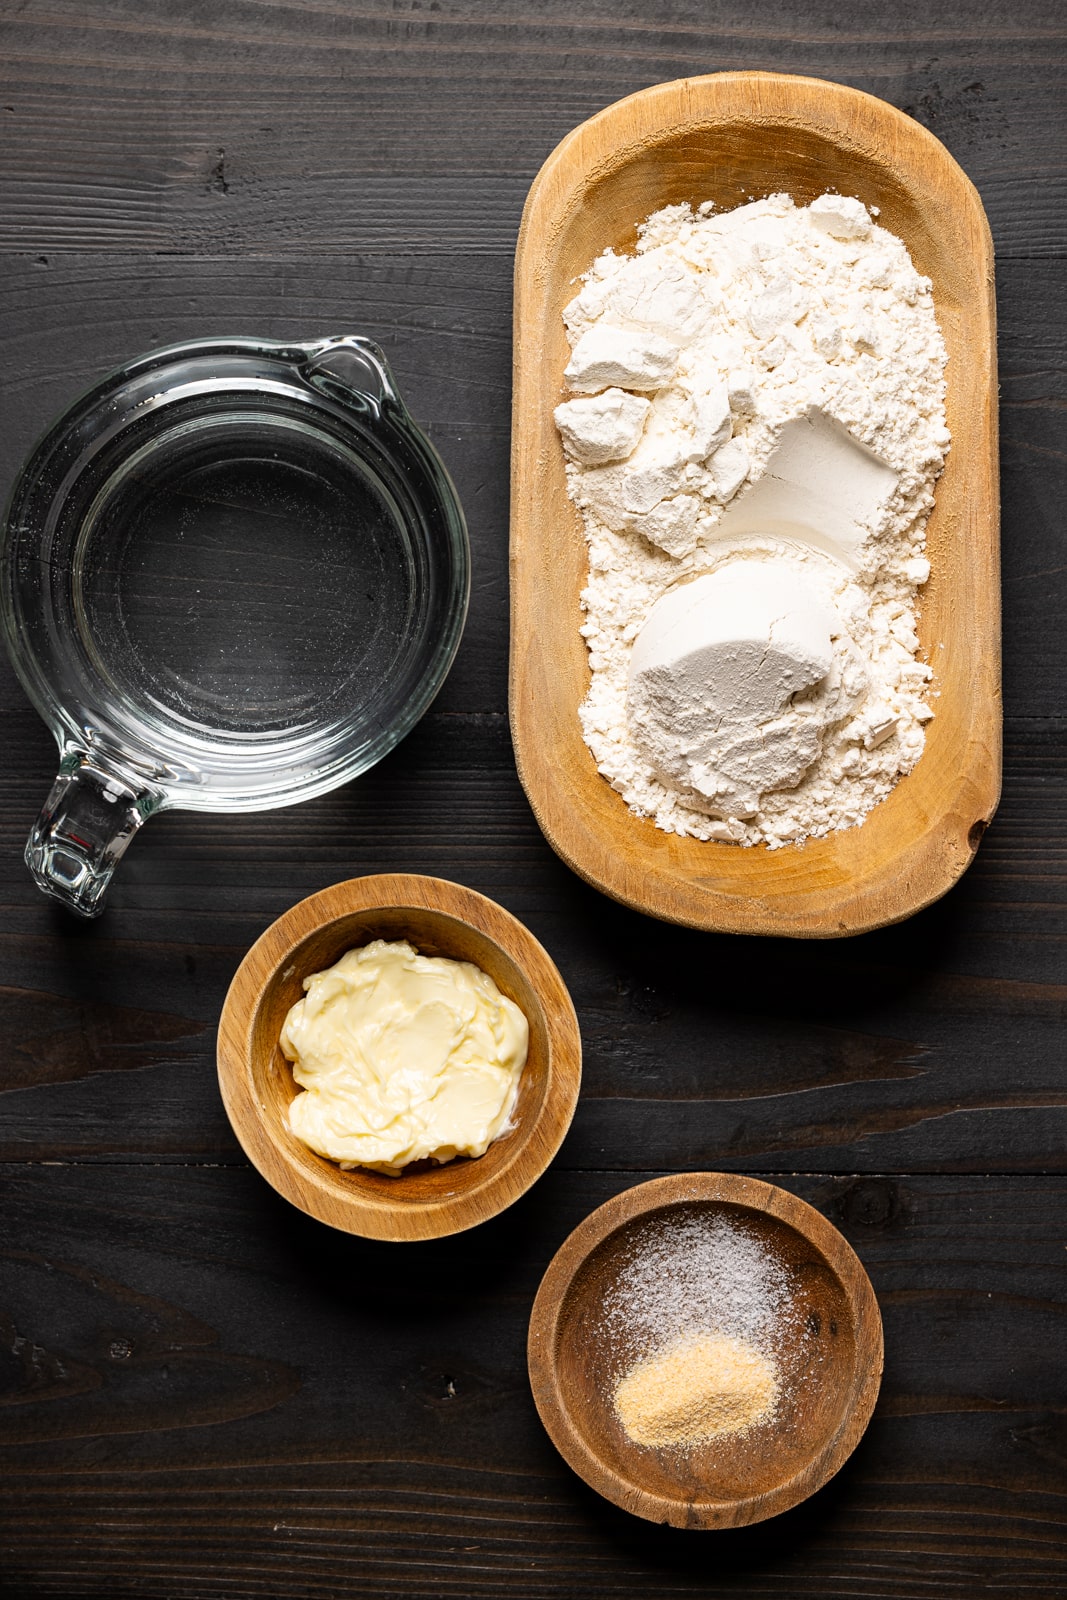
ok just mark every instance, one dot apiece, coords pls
pixel 490 1071
pixel 402 1057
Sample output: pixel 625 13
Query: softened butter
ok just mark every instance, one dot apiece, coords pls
pixel 401 1057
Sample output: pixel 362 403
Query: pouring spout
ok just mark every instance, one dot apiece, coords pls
pixel 86 823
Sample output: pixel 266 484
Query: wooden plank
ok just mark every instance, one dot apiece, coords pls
pixel 303 127
pixel 211 1394
pixel 207 1394
pixel 938 1041
pixel 934 1044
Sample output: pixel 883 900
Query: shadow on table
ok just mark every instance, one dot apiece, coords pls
pixel 781 1542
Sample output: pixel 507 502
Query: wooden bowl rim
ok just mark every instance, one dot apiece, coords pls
pixel 642 1200
pixel 627 858
pixel 382 1217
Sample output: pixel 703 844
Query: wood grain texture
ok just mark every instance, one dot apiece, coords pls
pixel 208 1393
pixel 294 1410
pixel 439 919
pixel 932 1046
pixel 310 127
pixel 727 138
pixel 819 1417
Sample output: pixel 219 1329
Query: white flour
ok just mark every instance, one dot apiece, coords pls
pixel 688 359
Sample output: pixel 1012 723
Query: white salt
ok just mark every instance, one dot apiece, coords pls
pixel 693 1273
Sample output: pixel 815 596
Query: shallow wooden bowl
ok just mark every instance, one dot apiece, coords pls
pixel 439 919
pixel 731 138
pixel 830 1372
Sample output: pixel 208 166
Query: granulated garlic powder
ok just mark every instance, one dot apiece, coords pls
pixel 688 359
pixel 696 1391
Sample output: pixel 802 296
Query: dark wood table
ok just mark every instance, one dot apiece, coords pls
pixel 202 1392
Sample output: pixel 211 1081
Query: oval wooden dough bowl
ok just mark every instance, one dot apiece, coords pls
pixel 257 1084
pixel 730 138
pixel 829 1358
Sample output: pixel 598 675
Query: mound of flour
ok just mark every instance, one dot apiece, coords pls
pixel 688 360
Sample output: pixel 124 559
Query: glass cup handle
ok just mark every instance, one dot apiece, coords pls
pixel 351 369
pixel 87 821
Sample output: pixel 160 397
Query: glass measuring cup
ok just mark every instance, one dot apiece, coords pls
pixel 233 576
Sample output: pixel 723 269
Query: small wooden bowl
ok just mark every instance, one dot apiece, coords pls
pixel 732 137
pixel 830 1361
pixel 439 919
